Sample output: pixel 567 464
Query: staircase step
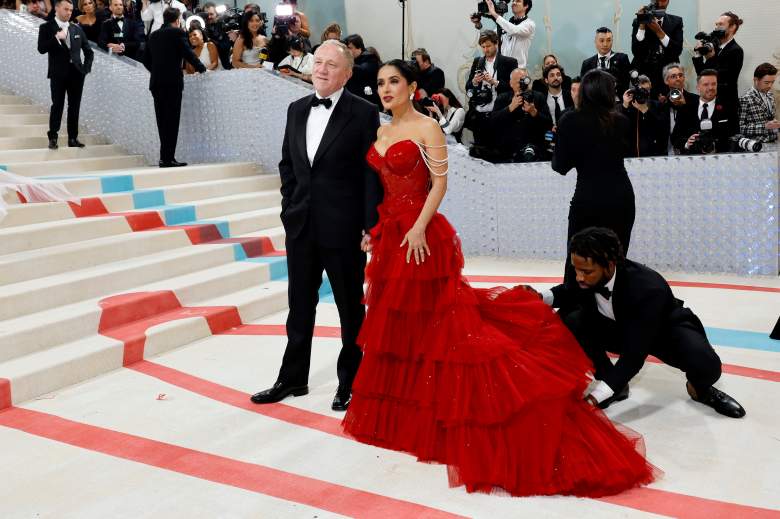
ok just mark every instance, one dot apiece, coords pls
pixel 75 166
pixel 24 119
pixel 6 99
pixel 45 154
pixel 42 142
pixel 24 130
pixel 20 109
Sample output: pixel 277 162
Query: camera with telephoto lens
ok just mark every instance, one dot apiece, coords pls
pixel 649 13
pixel 526 94
pixel 744 144
pixel 705 142
pixel 283 18
pixel 501 6
pixel 528 153
pixel 641 95
pixel 675 94
pixel 230 20
pixel 708 42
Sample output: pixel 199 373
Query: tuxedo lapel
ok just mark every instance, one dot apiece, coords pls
pixel 301 116
pixel 342 113
pixel 619 291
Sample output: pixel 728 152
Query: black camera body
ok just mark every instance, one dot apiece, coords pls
pixel 705 142
pixel 501 6
pixel 739 143
pixel 708 42
pixel 230 20
pixel 641 95
pixel 649 13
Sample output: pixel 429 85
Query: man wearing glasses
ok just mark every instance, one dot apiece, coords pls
pixel 674 99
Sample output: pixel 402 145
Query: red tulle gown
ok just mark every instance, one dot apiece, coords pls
pixel 488 382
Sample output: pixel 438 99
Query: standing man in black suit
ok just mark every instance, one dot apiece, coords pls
pixel 616 63
pixel 167 48
pixel 656 43
pixel 329 199
pixel 687 133
pixel 558 98
pixel 65 42
pixel 629 309
pixel 673 103
pixel 121 35
pixel 727 61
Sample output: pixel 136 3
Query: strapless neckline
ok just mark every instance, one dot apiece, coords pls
pixel 396 143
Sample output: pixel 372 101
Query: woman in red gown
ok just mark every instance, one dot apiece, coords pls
pixel 488 382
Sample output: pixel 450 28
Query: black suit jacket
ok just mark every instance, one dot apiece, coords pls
pixel 649 135
pixel 338 193
pixel 517 128
pixel 688 123
pixel 644 308
pixel 728 62
pixel 666 114
pixel 132 35
pixel 166 49
pixel 503 69
pixel 644 50
pixel 618 65
pixel 364 75
pixel 60 56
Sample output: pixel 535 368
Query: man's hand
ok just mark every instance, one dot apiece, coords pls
pixel 517 102
pixel 691 140
pixel 641 107
pixel 478 79
pixel 773 125
pixel 232 35
pixel 530 108
pixel 628 98
pixel 117 48
pixel 61 34
pixel 656 28
pixel 680 101
pixel 491 8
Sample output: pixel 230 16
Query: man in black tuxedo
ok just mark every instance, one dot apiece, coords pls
pixel 616 63
pixel 686 136
pixel 656 44
pixel 488 78
pixel 121 35
pixel 329 198
pixel 629 309
pixel 727 61
pixel 167 47
pixel 65 42
pixel 557 98
pixel 673 105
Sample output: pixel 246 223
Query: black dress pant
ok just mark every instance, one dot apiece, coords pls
pixel 306 260
pixel 71 84
pixel 167 110
pixel 619 218
pixel 682 344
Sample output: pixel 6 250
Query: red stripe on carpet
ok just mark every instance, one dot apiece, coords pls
pixel 5 393
pixel 332 332
pixel 731 369
pixel 691 507
pixel 218 469
pixel 685 284
pixel 235 398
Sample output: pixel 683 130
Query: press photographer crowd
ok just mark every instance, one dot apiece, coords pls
pixel 510 117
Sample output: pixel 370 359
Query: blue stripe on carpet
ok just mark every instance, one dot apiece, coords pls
pixel 742 339
pixel 150 198
pixel 117 183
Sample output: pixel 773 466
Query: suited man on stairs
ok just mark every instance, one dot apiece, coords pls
pixel 329 199
pixel 65 43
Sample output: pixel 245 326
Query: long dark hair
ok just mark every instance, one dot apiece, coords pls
pixel 446 92
pixel 597 98
pixel 246 34
pixel 406 70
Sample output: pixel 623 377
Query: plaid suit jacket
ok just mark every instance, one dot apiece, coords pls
pixel 754 114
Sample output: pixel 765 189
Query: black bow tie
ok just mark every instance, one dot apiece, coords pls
pixel 122 19
pixel 316 101
pixel 604 291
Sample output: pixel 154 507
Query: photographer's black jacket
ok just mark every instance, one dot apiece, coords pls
pixel 618 65
pixel 728 62
pixel 503 69
pixel 364 75
pixel 431 80
pixel 688 123
pixel 649 136
pixel 516 129
pixel 644 50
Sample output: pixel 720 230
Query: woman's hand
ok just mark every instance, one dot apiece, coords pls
pixel 415 239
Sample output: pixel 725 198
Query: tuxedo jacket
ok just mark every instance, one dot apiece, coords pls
pixel 666 114
pixel 754 113
pixel 618 65
pixel 503 69
pixel 132 35
pixel 338 193
pixel 673 27
pixel 644 309
pixel 166 49
pixel 728 62
pixel 517 128
pixel 60 56
pixel 650 137
pixel 688 123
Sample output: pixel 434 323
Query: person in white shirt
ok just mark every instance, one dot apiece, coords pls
pixel 152 13
pixel 518 31
pixel 298 63
pixel 448 111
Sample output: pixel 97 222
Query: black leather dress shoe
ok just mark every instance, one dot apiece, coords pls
pixel 279 392
pixel 171 164
pixel 53 143
pixel 718 400
pixel 341 400
pixel 617 397
pixel 75 143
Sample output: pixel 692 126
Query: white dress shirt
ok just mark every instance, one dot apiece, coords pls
pixel 608 58
pixel 154 13
pixel 640 34
pixel 517 39
pixel 65 26
pixel 551 105
pixel 490 71
pixel 710 107
pixel 317 122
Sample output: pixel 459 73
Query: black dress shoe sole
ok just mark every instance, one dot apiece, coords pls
pixel 272 399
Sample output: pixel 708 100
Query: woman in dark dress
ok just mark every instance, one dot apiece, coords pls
pixel 90 19
pixel 594 139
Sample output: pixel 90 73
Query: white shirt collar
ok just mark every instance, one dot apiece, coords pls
pixel 335 96
pixel 63 25
pixel 600 55
pixel 611 283
pixel 710 103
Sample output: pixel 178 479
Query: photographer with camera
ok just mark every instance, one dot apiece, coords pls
pixel 757 111
pixel 489 76
pixel 616 63
pixel 519 120
pixel 671 103
pixel 558 99
pixel 447 110
pixel 430 78
pixel 152 13
pixel 649 136
pixel 719 51
pixel 222 31
pixel 288 24
pixel 364 72
pixel 656 41
pixel 704 127
pixel 518 31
